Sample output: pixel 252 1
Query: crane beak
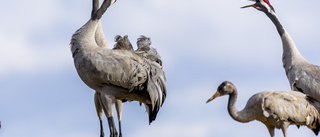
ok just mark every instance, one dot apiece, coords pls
pixel 253 5
pixel 217 94
pixel 249 6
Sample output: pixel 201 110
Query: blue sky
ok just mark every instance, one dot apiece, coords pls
pixel 202 43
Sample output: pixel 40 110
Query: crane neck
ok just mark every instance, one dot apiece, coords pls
pixel 291 54
pixel 98 14
pixel 233 112
pixel 276 22
pixel 95 7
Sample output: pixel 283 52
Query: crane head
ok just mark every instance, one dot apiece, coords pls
pixel 225 88
pixel 261 5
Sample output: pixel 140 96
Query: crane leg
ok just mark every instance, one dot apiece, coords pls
pixel 101 129
pixel 271 130
pixel 119 106
pixel 107 102
pixel 112 127
pixel 284 128
pixel 97 103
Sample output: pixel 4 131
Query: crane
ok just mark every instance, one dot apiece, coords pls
pixel 302 75
pixel 276 109
pixel 116 74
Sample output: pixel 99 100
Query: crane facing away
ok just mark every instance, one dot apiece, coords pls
pixel 276 109
pixel 302 75
pixel 116 74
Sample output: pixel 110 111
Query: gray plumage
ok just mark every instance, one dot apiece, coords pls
pixel 116 74
pixel 146 51
pixel 302 75
pixel 143 41
pixel 276 109
pixel 122 43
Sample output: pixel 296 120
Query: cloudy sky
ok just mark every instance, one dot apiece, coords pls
pixel 202 43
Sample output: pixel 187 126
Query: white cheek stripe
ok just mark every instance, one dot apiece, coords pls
pixel 113 1
pixel 267 6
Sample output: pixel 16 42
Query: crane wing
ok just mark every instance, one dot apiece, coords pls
pixel 287 106
pixel 308 81
pixel 157 90
pixel 118 68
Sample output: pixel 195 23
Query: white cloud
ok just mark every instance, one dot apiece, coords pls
pixel 18 56
pixel 28 44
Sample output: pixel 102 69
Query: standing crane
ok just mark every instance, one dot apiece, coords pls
pixel 276 109
pixel 116 74
pixel 302 75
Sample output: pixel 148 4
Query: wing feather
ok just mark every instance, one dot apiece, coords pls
pixel 119 68
pixel 286 106
pixel 308 81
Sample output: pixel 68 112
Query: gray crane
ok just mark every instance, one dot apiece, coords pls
pixel 302 75
pixel 116 74
pixel 276 109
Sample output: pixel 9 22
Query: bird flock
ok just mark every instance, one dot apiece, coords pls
pixel 122 74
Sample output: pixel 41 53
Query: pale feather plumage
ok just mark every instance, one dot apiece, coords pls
pixel 276 109
pixel 122 43
pixel 157 81
pixel 98 66
pixel 117 74
pixel 146 51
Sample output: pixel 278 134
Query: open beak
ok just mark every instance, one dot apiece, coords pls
pixel 248 6
pixel 217 94
pixel 252 5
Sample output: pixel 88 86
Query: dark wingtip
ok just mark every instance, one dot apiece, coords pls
pixel 153 113
pixel 316 130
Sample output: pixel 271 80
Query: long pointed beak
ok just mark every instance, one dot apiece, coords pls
pixel 217 94
pixel 248 6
